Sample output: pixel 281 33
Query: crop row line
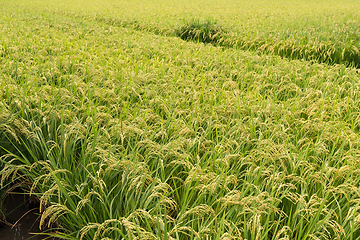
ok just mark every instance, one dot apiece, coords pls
pixel 210 32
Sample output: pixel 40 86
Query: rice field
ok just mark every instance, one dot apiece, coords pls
pixel 183 120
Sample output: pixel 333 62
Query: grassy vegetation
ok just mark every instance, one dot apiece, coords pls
pixel 127 134
pixel 322 31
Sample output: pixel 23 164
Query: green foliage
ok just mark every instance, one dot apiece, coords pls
pixel 198 31
pixel 125 134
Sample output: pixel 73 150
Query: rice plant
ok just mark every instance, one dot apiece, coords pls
pixel 122 133
pixel 206 32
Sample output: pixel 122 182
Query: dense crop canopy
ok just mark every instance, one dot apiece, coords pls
pixel 128 132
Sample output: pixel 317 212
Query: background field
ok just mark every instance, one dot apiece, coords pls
pixel 323 31
pixel 125 131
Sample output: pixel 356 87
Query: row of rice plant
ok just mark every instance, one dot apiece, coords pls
pixel 322 31
pixel 122 134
